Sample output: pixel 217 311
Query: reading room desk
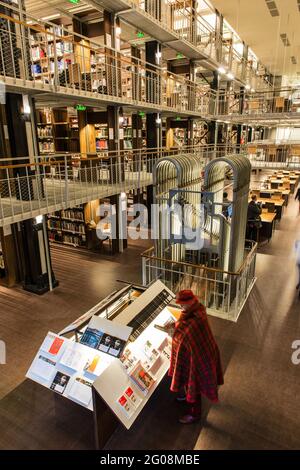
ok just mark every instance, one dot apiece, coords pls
pixel 268 225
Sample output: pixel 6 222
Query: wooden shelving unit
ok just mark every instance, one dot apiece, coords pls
pixel 101 134
pixel 68 227
pixel 45 50
pixel 58 130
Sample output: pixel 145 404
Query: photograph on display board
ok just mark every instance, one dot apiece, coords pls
pixel 111 345
pixel 142 378
pixel 92 364
pixel 92 338
pixel 81 390
pixel 126 406
pixel 129 393
pixel 117 346
pixel 43 367
pixel 60 382
pixel 128 359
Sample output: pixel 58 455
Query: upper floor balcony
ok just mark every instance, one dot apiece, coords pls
pixel 37 57
pixel 274 106
pixel 43 184
pixel 191 28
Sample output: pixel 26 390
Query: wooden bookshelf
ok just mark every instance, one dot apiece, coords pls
pixel 58 130
pixel 68 227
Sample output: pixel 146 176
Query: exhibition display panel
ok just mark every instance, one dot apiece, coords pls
pixel 118 350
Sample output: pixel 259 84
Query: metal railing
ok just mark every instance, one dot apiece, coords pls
pixel 275 102
pixel 48 57
pixel 38 185
pixel 42 184
pixel 273 154
pixel 190 25
pixel 223 293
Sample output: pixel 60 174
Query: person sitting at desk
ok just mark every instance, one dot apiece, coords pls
pixel 265 184
pixel 253 218
pixel 226 208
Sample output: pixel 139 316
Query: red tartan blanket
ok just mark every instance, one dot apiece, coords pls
pixel 195 358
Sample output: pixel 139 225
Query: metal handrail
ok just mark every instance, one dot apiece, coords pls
pixel 148 255
pixel 155 89
pixel 41 160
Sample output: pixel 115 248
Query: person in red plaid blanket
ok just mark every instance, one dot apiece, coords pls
pixel 195 358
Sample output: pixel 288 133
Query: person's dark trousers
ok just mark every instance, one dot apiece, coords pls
pixel 195 408
pixel 252 232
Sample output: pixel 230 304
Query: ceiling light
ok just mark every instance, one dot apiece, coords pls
pixel 221 70
pixel 118 30
pixel 51 17
pixel 252 90
pixel 26 104
pixel 230 76
pixel 39 219
pixel 248 87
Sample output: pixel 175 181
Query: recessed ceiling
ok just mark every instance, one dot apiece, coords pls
pixel 51 9
pixel 256 23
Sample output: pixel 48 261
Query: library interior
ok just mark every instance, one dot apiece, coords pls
pixel 149 225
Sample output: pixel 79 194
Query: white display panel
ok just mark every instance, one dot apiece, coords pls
pixel 69 368
pixel 70 371
pixel 116 380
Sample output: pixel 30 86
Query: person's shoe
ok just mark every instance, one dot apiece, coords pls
pixel 189 419
pixel 181 398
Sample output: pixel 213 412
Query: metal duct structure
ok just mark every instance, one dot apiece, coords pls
pixel 219 269
pixel 232 238
pixel 180 172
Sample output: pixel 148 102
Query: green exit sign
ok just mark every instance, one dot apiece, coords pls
pixel 140 34
pixel 74 1
pixel 80 107
pixel 179 55
pixel 178 118
pixel 142 114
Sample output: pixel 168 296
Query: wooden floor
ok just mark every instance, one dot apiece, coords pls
pixel 259 405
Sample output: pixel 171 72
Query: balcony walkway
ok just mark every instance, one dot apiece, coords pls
pixel 61 194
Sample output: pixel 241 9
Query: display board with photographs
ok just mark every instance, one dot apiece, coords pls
pixel 69 368
pixel 128 383
pixel 106 336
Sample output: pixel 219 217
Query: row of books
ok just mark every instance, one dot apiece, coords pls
pixel 46 147
pixel 73 214
pixel 58 225
pixel 61 48
pixel 69 239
